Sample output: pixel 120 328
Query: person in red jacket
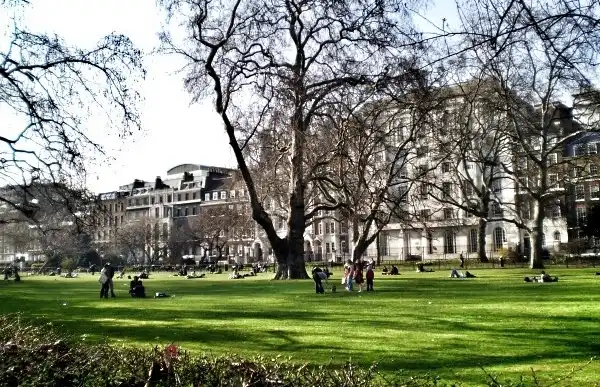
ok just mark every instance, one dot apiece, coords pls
pixel 370 276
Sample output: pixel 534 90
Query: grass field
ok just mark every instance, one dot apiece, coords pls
pixel 416 322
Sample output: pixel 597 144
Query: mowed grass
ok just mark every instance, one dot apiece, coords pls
pixel 416 322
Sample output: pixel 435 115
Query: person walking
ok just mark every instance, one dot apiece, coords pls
pixel 110 272
pixel 462 260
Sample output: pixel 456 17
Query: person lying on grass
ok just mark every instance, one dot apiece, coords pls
pixel 543 277
pixel 457 274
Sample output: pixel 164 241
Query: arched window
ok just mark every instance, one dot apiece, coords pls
pixel 557 236
pixel 499 238
pixel 450 242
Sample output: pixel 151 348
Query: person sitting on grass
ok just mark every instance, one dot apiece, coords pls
pixel 136 288
pixel 194 275
pixel 235 274
pixel 394 270
pixel 384 271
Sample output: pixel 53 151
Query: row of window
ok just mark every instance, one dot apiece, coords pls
pixel 168 198
pixel 447 189
pixel 594 191
pixel 590 148
pixel 323 228
pixel 450 213
pixel 498 241
pixel 222 195
pixel 107 235
pixel 114 207
pixel 111 221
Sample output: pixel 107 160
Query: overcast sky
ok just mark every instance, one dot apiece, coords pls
pixel 174 132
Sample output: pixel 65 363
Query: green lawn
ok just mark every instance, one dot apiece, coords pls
pixel 417 322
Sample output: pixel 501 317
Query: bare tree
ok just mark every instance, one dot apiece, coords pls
pixel 140 240
pixel 217 227
pixel 275 65
pixel 369 140
pixel 535 52
pixel 47 92
pixel 472 149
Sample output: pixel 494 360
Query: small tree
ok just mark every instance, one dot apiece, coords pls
pixel 217 226
pixel 140 240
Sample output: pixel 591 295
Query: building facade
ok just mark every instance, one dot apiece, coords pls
pixel 164 220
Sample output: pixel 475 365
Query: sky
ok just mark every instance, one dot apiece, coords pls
pixel 174 132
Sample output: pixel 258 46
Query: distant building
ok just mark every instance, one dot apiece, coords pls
pixel 168 206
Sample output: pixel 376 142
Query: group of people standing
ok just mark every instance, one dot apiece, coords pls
pixel 355 273
pixel 106 281
pixel 136 287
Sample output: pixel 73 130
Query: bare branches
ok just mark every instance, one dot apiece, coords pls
pixel 274 68
pixel 50 89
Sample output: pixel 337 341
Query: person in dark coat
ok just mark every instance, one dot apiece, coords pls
pixel 110 273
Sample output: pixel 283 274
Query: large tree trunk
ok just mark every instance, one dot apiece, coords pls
pixel 481 245
pixel 537 261
pixel 291 259
pixel 358 250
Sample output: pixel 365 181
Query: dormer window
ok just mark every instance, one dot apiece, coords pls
pixel 215 196
pixel 207 197
pixel 223 194
pixel 232 193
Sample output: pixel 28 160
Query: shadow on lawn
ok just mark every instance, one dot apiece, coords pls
pixel 458 357
pixel 538 345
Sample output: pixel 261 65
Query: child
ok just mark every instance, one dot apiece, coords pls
pixel 370 275
pixel 349 277
pixel 346 270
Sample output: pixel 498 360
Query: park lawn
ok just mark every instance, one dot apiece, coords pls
pixel 416 322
